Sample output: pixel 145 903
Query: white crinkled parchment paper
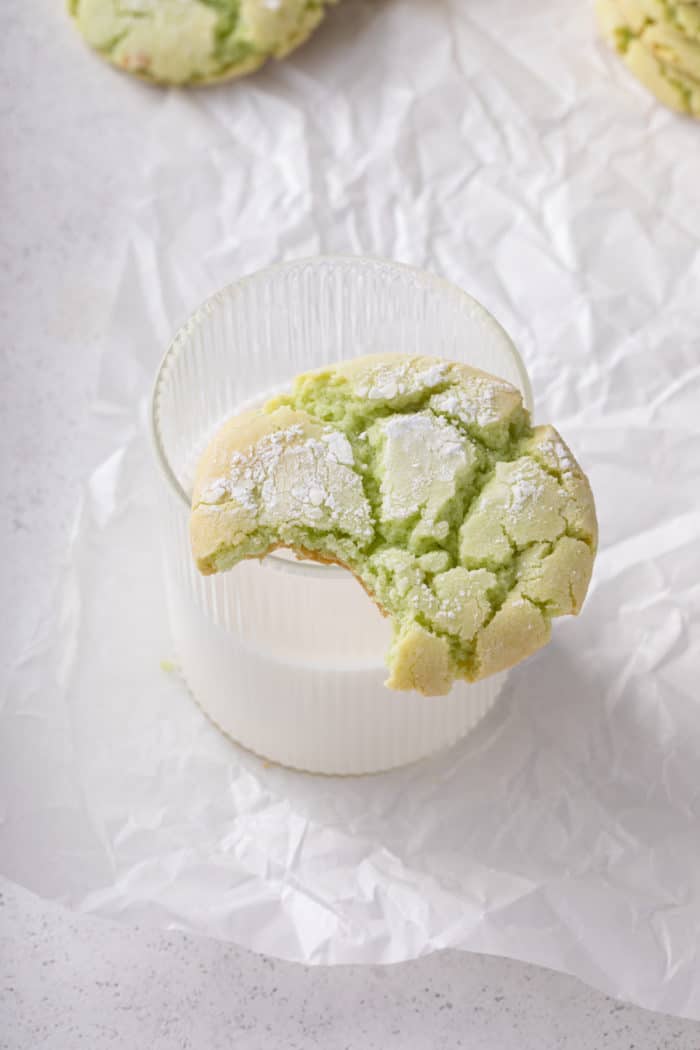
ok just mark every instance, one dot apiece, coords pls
pixel 499 144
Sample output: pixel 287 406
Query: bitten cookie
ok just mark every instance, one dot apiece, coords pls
pixel 659 41
pixel 194 41
pixel 469 528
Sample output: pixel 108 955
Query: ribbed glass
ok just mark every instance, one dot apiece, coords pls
pixel 288 657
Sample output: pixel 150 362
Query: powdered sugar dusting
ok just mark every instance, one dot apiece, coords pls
pixel 216 492
pixel 423 456
pixel 388 381
pixel 339 446
pixel 525 488
pixel 289 477
pixel 480 403
pixel 558 455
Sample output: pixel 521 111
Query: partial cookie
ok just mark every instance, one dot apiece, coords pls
pixel 194 41
pixel 470 529
pixel 659 41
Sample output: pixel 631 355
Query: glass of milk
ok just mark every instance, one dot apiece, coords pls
pixel 287 657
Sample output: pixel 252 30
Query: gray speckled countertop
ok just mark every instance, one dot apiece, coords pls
pixel 68 981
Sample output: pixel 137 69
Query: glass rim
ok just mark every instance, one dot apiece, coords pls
pixel 184 332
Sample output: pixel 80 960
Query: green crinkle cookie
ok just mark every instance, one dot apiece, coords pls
pixel 659 41
pixel 194 41
pixel 469 528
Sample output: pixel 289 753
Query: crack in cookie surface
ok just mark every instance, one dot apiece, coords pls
pixel 468 527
